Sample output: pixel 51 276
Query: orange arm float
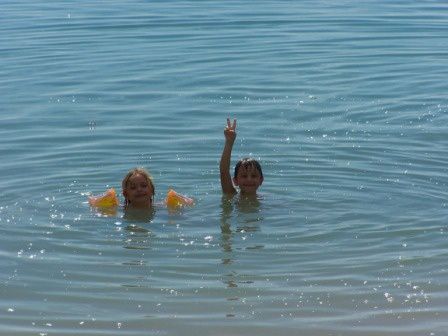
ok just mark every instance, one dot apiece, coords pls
pixel 107 200
pixel 176 200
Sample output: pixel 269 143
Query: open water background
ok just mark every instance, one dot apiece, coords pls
pixel 345 105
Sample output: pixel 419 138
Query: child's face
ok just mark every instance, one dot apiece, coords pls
pixel 138 191
pixel 248 179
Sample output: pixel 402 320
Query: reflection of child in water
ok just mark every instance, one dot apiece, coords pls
pixel 248 175
pixel 138 189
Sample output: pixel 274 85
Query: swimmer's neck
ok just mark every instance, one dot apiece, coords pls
pixel 131 206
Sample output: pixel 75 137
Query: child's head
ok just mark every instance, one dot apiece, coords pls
pixel 248 175
pixel 138 188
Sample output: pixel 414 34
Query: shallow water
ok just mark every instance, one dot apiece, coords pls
pixel 344 103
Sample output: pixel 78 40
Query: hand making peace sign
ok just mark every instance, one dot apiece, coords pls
pixel 230 131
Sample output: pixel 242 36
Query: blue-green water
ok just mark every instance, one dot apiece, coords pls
pixel 343 102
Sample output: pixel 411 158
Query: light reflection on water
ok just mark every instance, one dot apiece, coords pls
pixel 344 105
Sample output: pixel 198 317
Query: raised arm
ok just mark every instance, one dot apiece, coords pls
pixel 224 165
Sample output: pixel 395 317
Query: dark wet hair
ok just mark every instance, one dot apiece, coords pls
pixel 246 163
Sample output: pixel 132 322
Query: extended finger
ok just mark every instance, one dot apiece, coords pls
pixel 234 124
pixel 228 123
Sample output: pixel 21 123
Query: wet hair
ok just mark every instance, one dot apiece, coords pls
pixel 132 173
pixel 246 163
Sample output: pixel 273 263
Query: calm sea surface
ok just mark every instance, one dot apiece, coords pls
pixel 343 102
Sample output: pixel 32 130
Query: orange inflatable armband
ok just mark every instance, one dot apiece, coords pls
pixel 176 200
pixel 107 200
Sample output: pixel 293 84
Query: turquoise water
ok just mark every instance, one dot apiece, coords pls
pixel 344 104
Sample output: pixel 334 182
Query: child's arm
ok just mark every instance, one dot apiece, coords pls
pixel 224 165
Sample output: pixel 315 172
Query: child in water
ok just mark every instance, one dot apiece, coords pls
pixel 138 189
pixel 248 175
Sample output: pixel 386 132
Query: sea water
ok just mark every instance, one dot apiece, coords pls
pixel 344 104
